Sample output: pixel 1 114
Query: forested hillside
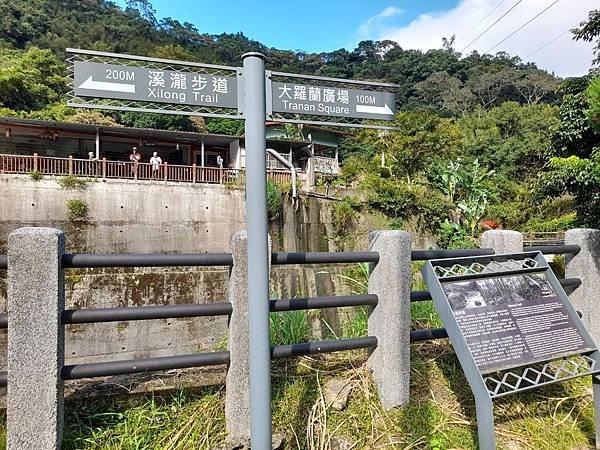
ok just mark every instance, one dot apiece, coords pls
pixel 485 140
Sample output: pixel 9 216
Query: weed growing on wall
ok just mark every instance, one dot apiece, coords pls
pixel 274 200
pixel 35 175
pixel 76 209
pixel 72 182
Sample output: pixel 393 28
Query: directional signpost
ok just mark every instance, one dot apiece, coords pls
pixel 331 101
pixel 153 85
pixel 132 83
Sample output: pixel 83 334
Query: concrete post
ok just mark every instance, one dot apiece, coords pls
pixel 237 399
pixel 502 241
pixel 586 266
pixel 36 299
pixel 390 320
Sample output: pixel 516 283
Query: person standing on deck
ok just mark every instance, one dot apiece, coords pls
pixel 156 162
pixel 135 158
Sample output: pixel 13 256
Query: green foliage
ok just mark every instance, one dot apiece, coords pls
pixel 561 223
pixel 72 182
pixel 290 327
pixel 76 209
pixel 225 126
pixel 92 118
pixel 593 97
pixel 422 139
pixel 344 215
pixel 35 175
pixel 274 200
pixel 155 120
pixel 579 177
pixel 589 31
pixel 30 79
pixel 511 138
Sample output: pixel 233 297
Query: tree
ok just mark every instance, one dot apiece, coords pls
pixel 574 134
pixel 445 94
pixel 589 31
pixel 515 140
pixel 92 118
pixel 421 138
pixel 593 98
pixel 488 87
pixel 535 86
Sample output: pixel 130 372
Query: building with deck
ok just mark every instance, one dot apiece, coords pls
pixel 55 148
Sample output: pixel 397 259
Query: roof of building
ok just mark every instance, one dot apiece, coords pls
pixel 183 137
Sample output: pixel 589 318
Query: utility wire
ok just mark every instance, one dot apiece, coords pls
pixel 548 43
pixel 480 21
pixel 488 28
pixel 524 25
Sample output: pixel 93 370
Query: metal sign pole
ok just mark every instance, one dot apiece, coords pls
pixel 258 251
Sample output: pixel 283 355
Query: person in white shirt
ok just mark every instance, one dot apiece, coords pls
pixel 156 162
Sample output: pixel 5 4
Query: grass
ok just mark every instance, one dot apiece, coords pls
pixel 440 415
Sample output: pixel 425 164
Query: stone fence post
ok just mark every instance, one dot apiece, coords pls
pixel 502 241
pixel 390 320
pixel 585 265
pixel 237 398
pixel 36 298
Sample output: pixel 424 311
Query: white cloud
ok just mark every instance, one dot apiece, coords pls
pixel 565 57
pixel 375 25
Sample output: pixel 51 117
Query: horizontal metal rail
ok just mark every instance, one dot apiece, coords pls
pixel 3 379
pixel 428 334
pixel 3 261
pixel 570 284
pixel 554 249
pixel 104 369
pixel 322 302
pixel 83 260
pixel 425 255
pixel 323 257
pixel 3 320
pixel 97 315
pixel 312 348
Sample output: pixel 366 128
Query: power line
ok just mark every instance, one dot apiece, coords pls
pixel 548 43
pixel 480 21
pixel 488 28
pixel 524 25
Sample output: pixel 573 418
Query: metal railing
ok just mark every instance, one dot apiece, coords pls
pixel 103 168
pixel 100 315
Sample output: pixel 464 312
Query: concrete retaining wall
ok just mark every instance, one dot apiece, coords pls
pixel 153 217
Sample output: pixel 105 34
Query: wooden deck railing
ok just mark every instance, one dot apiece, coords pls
pixel 21 164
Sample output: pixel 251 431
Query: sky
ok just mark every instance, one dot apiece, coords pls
pixel 326 25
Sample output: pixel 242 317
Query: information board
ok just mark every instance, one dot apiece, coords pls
pixel 512 320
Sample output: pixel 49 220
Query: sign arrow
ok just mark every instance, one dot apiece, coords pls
pixel 383 110
pixel 107 86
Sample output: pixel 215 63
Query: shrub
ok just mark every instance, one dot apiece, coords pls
pixel 72 182
pixel 343 219
pixel 562 223
pixel 35 175
pixel 76 209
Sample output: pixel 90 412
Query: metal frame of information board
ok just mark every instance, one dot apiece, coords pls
pixel 490 386
pixel 77 101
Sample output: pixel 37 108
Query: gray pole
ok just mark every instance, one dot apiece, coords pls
pixel 258 251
